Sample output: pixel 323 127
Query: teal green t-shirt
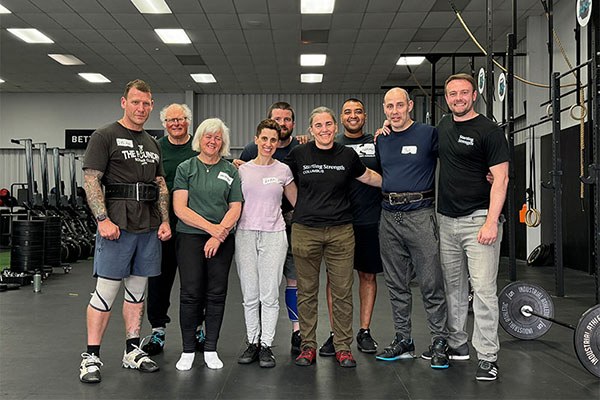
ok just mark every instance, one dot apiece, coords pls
pixel 209 193
pixel 173 155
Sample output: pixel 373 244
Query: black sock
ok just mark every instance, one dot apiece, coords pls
pixel 93 349
pixel 132 342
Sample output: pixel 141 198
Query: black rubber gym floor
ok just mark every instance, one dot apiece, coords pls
pixel 43 334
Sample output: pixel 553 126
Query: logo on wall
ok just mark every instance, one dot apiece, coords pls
pixel 481 80
pixel 584 11
pixel 78 138
pixel 502 86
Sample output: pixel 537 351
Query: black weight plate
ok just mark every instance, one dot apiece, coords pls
pixel 587 340
pixel 518 294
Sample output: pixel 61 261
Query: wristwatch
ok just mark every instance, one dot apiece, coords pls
pixel 101 217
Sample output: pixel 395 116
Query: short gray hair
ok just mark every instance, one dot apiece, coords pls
pixel 212 125
pixel 184 107
pixel 321 110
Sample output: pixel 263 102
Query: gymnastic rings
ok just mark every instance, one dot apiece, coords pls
pixel 582 112
pixel 549 110
pixel 532 217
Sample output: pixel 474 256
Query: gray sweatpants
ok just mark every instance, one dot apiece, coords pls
pixel 259 257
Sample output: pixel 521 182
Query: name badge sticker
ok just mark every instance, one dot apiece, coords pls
pixel 270 180
pixel 409 149
pixel 224 177
pixel 124 142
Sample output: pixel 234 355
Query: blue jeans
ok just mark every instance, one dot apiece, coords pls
pixel 409 247
pixel 463 257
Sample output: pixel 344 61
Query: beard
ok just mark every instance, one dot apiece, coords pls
pixel 285 135
pixel 354 130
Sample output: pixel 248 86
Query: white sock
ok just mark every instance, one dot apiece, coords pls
pixel 212 360
pixel 160 329
pixel 185 361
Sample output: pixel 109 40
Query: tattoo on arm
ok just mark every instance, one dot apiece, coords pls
pixel 163 198
pixel 93 191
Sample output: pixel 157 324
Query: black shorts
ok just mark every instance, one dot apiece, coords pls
pixel 366 250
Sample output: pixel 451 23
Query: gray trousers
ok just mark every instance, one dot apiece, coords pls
pixel 259 257
pixel 409 247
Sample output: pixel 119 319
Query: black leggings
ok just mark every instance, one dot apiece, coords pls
pixel 203 286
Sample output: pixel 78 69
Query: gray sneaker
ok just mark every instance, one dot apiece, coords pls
pixel 89 369
pixel 138 359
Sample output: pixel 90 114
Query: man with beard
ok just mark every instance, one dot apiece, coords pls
pixel 366 207
pixel 283 114
pixel 471 221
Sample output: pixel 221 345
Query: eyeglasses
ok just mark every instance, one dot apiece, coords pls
pixel 175 120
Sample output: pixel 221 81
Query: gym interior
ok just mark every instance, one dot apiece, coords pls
pixel 537 65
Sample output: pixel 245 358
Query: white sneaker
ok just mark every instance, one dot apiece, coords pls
pixel 89 369
pixel 138 359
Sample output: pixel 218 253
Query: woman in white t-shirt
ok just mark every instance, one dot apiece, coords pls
pixel 261 242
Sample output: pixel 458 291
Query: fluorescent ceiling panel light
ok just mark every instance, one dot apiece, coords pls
pixel 4 10
pixel 94 78
pixel 312 60
pixel 173 36
pixel 203 78
pixel 317 6
pixel 1 80
pixel 311 78
pixel 66 59
pixel 152 6
pixel 410 60
pixel 30 35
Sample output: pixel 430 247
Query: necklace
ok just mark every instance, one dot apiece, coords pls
pixel 207 167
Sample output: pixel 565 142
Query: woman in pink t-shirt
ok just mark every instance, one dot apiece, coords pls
pixel 261 242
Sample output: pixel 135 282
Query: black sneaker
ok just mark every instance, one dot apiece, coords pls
pixel 89 369
pixel 397 350
pixel 459 354
pixel 296 342
pixel 439 354
pixel 250 354
pixel 200 340
pixel 487 371
pixel 365 342
pixel 156 343
pixel 327 349
pixel 266 359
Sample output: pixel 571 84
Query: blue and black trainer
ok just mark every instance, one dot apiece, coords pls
pixel 439 353
pixel 399 349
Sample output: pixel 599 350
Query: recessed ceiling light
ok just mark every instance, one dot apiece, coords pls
pixel 66 59
pixel 152 6
pixel 312 60
pixel 1 80
pixel 311 78
pixel 317 6
pixel 94 78
pixel 203 78
pixel 30 35
pixel 173 36
pixel 410 60
pixel 4 10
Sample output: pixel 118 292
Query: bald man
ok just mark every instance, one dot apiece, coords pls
pixel 408 230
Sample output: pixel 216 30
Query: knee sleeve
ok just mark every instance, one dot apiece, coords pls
pixel 105 293
pixel 291 301
pixel 135 288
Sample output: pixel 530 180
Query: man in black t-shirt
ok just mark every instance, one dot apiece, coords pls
pixel 133 217
pixel 366 207
pixel 471 222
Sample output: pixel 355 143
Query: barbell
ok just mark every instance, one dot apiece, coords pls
pixel 527 312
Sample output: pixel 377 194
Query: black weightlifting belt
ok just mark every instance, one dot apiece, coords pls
pixel 131 191
pixel 407 197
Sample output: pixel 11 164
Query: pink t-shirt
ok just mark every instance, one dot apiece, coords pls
pixel 262 186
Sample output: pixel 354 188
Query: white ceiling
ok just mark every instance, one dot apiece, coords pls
pixel 250 46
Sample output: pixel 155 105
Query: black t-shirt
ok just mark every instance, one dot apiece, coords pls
pixel 323 178
pixel 365 199
pixel 126 156
pixel 467 150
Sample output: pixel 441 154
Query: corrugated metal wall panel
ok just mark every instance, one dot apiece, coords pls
pixel 242 113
